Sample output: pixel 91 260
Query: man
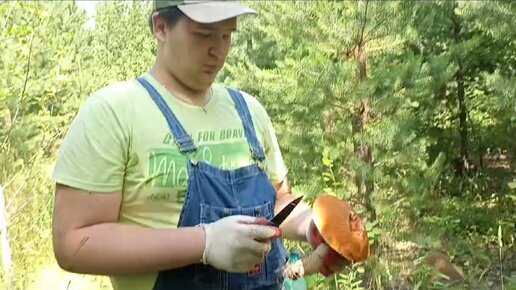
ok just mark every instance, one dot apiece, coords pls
pixel 167 181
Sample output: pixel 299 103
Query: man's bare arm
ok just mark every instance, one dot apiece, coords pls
pixel 88 239
pixel 296 224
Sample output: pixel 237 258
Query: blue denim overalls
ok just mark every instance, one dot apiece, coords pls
pixel 212 194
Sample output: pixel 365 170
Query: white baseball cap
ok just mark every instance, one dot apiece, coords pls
pixel 206 11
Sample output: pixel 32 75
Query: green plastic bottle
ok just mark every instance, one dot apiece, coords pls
pixel 299 284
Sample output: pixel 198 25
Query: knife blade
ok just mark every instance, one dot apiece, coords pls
pixel 283 214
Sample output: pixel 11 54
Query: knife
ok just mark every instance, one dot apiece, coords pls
pixel 276 222
pixel 283 214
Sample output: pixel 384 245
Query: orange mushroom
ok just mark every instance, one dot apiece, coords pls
pixel 341 230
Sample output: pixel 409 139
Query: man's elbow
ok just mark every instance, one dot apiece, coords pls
pixel 64 260
pixel 65 256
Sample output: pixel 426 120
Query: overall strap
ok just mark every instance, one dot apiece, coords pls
pixel 183 140
pixel 247 122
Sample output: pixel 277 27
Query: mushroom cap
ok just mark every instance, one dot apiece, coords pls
pixel 341 228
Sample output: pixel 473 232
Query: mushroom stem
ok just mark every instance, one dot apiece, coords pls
pixel 308 265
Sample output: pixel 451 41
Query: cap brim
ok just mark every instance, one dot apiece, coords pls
pixel 215 11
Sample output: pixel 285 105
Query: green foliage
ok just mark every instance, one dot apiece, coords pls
pixel 122 43
pixel 302 61
pixel 40 69
pixel 49 63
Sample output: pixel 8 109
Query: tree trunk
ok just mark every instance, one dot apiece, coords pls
pixel 463 112
pixel 362 117
pixel 461 98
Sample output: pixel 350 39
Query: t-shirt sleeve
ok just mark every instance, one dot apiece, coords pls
pixel 92 156
pixel 276 167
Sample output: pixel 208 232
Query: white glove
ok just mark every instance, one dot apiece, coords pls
pixel 237 243
pixel 309 265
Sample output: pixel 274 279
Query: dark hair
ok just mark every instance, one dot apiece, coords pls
pixel 171 15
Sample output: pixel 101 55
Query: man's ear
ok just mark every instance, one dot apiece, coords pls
pixel 159 27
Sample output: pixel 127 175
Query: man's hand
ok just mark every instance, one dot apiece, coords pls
pixel 237 243
pixel 332 262
pixel 295 225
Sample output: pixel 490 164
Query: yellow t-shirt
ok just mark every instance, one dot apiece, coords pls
pixel 120 141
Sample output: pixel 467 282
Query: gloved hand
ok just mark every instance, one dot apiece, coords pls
pixel 327 260
pixel 237 243
pixel 322 260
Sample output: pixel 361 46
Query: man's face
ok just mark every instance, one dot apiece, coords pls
pixel 194 53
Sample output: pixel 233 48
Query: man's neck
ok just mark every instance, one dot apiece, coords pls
pixel 179 89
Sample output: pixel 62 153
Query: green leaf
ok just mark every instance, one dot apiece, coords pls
pixel 376 231
pixel 326 161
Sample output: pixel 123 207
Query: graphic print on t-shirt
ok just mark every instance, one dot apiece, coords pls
pixel 227 149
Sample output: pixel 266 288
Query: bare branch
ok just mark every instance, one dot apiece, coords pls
pixel 27 69
pixel 7 18
pixel 371 31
